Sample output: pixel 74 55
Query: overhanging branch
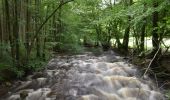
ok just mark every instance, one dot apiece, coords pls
pixel 46 20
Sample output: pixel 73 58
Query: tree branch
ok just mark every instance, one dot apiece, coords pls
pixel 46 20
pixel 41 26
pixel 151 61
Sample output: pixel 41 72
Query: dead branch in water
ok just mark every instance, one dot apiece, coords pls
pixel 151 61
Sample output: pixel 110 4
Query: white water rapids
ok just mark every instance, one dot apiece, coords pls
pixel 87 77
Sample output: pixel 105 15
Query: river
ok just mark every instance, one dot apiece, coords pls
pixel 86 77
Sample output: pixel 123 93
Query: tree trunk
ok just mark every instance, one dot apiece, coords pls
pixel 155 37
pixel 1 40
pixel 136 35
pixel 8 30
pixel 37 20
pixel 126 38
pixel 44 48
pixel 16 33
pixel 142 42
pixel 59 25
pixel 116 34
pixel 54 26
pixel 4 21
pixel 98 32
pixel 127 30
pixel 1 30
pixel 45 38
pixel 27 38
pixel 22 10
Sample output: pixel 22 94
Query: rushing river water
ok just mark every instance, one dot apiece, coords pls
pixel 86 77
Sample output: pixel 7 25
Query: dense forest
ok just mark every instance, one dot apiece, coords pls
pixel 32 31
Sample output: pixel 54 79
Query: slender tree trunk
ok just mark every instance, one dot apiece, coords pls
pixel 127 30
pixel 4 21
pixel 1 30
pixel 142 42
pixel 126 38
pixel 38 47
pixel 109 35
pixel 97 40
pixel 54 31
pixel 59 24
pixel 1 40
pixel 142 35
pixel 45 38
pixel 8 30
pixel 119 45
pixel 44 48
pixel 16 33
pixel 116 34
pixel 2 25
pixel 155 36
pixel 27 38
pixel 37 5
pixel 98 32
pixel 136 35
pixel 22 10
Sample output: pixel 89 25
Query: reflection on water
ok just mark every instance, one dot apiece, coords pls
pixel 86 77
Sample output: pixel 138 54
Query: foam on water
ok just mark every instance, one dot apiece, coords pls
pixel 92 78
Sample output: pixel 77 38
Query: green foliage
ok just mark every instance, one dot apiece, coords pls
pixel 168 95
pixel 7 65
pixel 4 54
pixel 35 65
pixel 69 43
